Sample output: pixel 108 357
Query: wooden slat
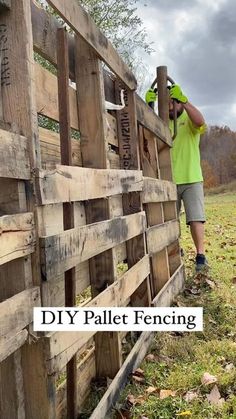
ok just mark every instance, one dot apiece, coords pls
pixel 171 289
pixel 86 372
pixel 68 184
pixel 132 361
pixel 83 25
pixel 17 311
pixel 17 238
pixel 111 133
pixel 14 156
pixel 121 290
pixel 156 190
pixel 151 121
pixel 90 240
pixel 68 208
pixel 64 346
pixel 47 96
pixel 13 342
pixel 160 236
pixel 50 149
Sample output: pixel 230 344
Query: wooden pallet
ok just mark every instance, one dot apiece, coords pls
pixel 71 210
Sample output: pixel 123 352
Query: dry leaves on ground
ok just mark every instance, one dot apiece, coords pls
pixel 215 398
pixel 138 376
pixel 166 393
pixel 190 396
pixel 208 379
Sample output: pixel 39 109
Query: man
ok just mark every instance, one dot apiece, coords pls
pixel 185 157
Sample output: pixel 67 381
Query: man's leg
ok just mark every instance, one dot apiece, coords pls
pixel 197 232
pixel 193 198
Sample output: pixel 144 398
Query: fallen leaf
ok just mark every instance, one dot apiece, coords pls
pixel 138 379
pixel 193 291
pixel 139 372
pixel 214 397
pixel 208 379
pixel 211 283
pixel 151 390
pixel 166 393
pixel 190 396
pixel 186 413
pixel 138 375
pixel 229 367
pixel 140 400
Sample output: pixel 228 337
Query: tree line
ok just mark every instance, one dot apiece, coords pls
pixel 218 154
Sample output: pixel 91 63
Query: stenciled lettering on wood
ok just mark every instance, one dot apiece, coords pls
pixel 125 134
pixel 5 68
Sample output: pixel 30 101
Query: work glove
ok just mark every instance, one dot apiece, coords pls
pixel 177 94
pixel 150 96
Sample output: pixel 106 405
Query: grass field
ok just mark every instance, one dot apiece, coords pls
pixel 176 363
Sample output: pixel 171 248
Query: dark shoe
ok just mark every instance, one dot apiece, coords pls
pixel 201 264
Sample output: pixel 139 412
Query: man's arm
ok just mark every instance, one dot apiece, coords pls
pixel 194 114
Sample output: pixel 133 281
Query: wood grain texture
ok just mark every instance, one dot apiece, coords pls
pixel 171 289
pixel 65 250
pixel 156 190
pixel 17 236
pixel 14 156
pixel 68 184
pixel 17 312
pixel 152 122
pixel 160 236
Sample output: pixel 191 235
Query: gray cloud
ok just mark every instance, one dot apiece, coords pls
pixel 198 44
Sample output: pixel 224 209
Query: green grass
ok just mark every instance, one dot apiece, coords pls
pixel 180 361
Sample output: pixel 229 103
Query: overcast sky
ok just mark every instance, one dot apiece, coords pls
pixel 196 39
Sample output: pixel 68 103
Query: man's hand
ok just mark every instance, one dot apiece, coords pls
pixel 150 96
pixel 177 94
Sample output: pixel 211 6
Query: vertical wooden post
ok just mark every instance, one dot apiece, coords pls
pixel 155 214
pixel 169 208
pixel 130 160
pixel 68 208
pixel 94 148
pixel 18 109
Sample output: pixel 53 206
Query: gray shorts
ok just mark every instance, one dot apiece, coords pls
pixel 192 196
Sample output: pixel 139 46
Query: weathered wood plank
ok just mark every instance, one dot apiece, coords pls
pixel 64 345
pixel 86 372
pixel 50 149
pixel 118 292
pixel 14 156
pixel 132 361
pixel 171 289
pixel 10 344
pixel 47 96
pixel 68 184
pixel 83 25
pixel 68 208
pixel 174 256
pixel 156 190
pixel 58 253
pixel 152 122
pixel 17 237
pixel 160 236
pixel 17 311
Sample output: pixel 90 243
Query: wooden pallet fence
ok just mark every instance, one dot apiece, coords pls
pixel 76 201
